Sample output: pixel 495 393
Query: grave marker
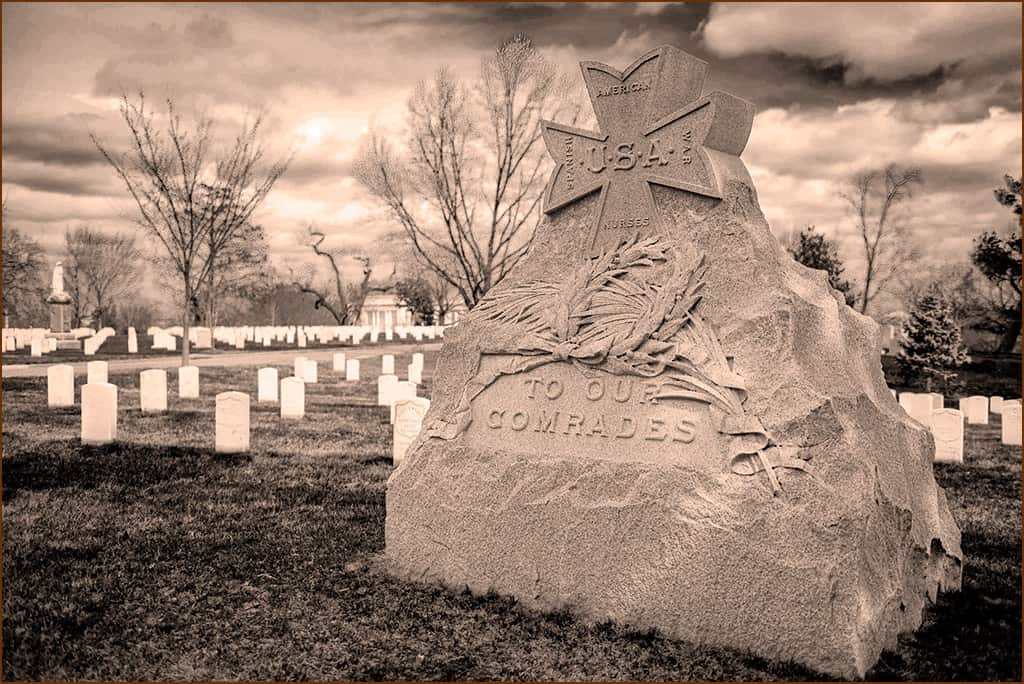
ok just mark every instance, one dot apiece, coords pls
pixel 232 423
pixel 387 364
pixel 352 370
pixel 627 374
pixel 1011 425
pixel 99 413
pixel 60 385
pixel 293 397
pixel 96 372
pixel 399 391
pixel 975 408
pixel 188 382
pixel 917 406
pixel 266 380
pixel 415 373
pixel 409 415
pixel 338 361
pixel 153 390
pixel 948 431
pixel 385 389
pixel 309 371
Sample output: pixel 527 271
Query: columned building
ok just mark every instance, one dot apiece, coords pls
pixel 382 310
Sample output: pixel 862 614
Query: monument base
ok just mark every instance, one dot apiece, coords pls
pixel 827 575
pixel 67 340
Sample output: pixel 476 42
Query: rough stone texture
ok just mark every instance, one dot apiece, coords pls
pixel 664 529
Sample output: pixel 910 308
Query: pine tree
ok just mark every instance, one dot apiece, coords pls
pixel 814 250
pixel 932 347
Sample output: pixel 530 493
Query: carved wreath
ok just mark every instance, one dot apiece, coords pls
pixel 629 311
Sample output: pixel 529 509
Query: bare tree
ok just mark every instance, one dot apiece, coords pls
pixel 193 199
pixel 106 266
pixel 343 300
pixel 873 197
pixel 236 263
pixel 24 275
pixel 477 163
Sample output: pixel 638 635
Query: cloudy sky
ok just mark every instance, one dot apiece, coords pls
pixel 838 88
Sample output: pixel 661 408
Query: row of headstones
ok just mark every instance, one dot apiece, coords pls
pixel 99 397
pixel 42 343
pixel 301 336
pixel 947 424
pixel 99 412
pixel 14 339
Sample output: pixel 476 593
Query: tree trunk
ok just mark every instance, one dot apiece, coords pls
pixel 1009 338
pixel 186 324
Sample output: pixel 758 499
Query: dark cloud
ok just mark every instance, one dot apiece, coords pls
pixel 62 141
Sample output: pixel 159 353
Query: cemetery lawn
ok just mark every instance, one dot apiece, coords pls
pixel 155 558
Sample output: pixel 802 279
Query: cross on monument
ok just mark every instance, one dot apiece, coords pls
pixel 656 128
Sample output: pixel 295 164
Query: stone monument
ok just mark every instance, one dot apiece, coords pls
pixel 60 311
pixel 660 418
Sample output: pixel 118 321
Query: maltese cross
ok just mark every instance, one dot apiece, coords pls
pixel 656 128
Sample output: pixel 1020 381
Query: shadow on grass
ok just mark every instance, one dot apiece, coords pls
pixel 67 463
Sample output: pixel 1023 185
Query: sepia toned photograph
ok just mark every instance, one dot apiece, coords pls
pixel 530 341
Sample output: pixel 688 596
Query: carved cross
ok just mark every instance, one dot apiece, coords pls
pixel 656 128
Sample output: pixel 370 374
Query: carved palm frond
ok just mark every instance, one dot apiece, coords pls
pixel 523 305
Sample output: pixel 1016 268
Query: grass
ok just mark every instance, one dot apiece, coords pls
pixel 116 347
pixel 156 558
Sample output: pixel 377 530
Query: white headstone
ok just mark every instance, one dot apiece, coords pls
pixel 415 373
pixel 352 369
pixel 188 382
pixel 995 404
pixel 309 371
pixel 917 406
pixel 417 358
pixel 302 339
pixel 293 398
pixel 387 364
pixel 975 408
pixel 385 389
pixel 60 385
pixel 1011 426
pixel 938 401
pixel 133 341
pixel 299 366
pixel 153 390
pixel 96 372
pixel 948 431
pixel 408 423
pixel 266 380
pixel 37 346
pixel 99 413
pixel 240 341
pixel 338 361
pixel 232 423
pixel 401 390
pixel 204 338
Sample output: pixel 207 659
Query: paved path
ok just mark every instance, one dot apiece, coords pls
pixel 246 358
